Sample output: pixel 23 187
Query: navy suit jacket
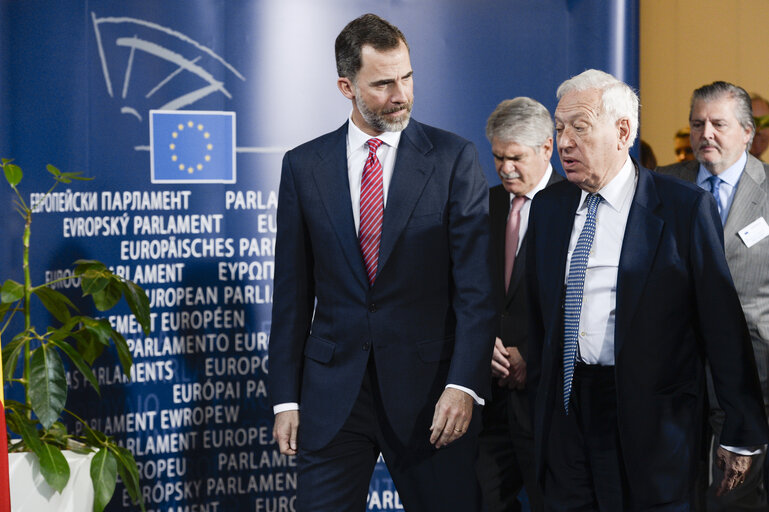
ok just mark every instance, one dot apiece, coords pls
pixel 676 307
pixel 428 319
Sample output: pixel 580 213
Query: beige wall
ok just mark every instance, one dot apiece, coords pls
pixel 689 43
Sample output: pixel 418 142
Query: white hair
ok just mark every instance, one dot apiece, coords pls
pixel 618 100
pixel 522 120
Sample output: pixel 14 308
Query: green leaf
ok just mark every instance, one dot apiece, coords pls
pixel 53 170
pixel 55 302
pixel 79 362
pixel 123 352
pixel 95 275
pixel 88 346
pixel 129 473
pixel 57 435
pixel 13 174
pixel 53 466
pixel 105 299
pixel 47 384
pixel 99 329
pixel 11 291
pixel 94 437
pixel 75 176
pixel 104 476
pixel 11 352
pixel 139 303
pixel 27 429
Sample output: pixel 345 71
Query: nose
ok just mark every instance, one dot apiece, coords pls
pixel 399 92
pixel 507 166
pixel 707 130
pixel 564 139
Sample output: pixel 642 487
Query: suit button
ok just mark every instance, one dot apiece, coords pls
pixel 366 346
pixel 372 308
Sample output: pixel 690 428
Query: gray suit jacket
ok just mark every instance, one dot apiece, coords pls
pixel 749 266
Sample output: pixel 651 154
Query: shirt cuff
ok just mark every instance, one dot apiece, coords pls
pixel 478 400
pixel 288 406
pixel 741 450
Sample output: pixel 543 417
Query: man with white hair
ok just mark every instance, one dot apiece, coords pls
pixel 625 271
pixel 520 131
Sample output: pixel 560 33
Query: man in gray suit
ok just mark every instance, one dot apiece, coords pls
pixel 722 128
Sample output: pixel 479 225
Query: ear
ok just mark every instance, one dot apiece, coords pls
pixel 345 87
pixel 623 131
pixel 547 147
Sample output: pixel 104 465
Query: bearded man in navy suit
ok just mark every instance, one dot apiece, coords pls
pixel 383 317
pixel 630 296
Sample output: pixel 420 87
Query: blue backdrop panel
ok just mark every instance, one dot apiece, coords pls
pixel 247 80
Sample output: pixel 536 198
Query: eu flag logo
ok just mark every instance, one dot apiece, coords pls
pixel 192 146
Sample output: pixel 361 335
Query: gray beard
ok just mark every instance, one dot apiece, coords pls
pixel 378 122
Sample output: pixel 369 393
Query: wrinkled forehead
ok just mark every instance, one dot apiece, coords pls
pixel 576 104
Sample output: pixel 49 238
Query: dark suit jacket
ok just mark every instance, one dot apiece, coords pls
pixel 676 307
pixel 512 327
pixel 428 319
pixel 749 265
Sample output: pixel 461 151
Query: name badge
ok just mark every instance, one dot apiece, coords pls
pixel 754 232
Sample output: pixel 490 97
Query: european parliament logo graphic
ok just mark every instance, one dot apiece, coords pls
pixel 192 146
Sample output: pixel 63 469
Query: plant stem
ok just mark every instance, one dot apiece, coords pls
pixel 27 296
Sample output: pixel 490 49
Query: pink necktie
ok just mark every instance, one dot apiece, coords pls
pixel 511 236
pixel 371 210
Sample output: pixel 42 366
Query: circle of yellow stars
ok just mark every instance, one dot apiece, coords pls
pixel 190 168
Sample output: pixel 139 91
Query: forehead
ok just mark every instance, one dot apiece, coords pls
pixel 576 104
pixel 393 61
pixel 722 107
pixel 503 147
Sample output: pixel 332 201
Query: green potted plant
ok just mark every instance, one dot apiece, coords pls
pixel 36 424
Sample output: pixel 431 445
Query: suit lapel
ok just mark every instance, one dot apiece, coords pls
pixel 334 190
pixel 746 206
pixel 518 274
pixel 557 237
pixel 410 174
pixel 639 246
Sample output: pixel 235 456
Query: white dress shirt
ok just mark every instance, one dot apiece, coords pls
pixel 598 316
pixel 599 302
pixel 357 153
pixel 526 208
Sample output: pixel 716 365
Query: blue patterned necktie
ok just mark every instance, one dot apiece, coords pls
pixel 575 285
pixel 715 184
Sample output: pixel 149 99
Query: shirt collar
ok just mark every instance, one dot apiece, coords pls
pixel 357 138
pixel 618 190
pixel 731 175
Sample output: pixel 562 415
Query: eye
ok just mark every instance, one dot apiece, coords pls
pixel 696 125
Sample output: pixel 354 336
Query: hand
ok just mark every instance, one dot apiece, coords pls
pixel 500 365
pixel 284 431
pixel 735 468
pixel 452 417
pixel 517 377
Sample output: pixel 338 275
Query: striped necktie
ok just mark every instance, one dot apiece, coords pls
pixel 575 285
pixel 371 210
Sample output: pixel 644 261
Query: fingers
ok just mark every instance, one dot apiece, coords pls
pixel 284 431
pixel 499 361
pixel 735 468
pixel 451 418
pixel 498 370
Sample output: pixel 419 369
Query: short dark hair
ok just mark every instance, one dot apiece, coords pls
pixel 719 89
pixel 368 29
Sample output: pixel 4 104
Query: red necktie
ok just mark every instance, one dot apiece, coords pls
pixel 371 210
pixel 511 236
